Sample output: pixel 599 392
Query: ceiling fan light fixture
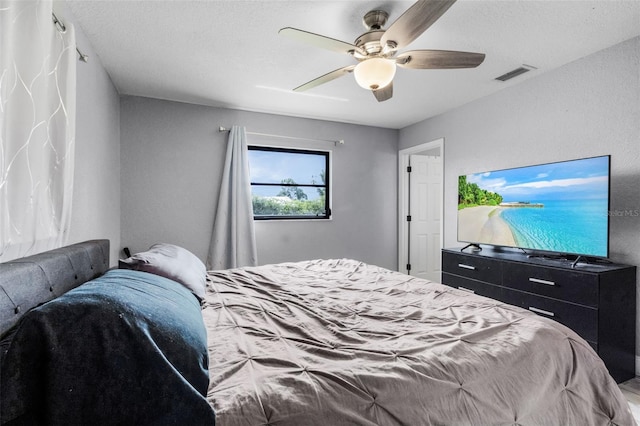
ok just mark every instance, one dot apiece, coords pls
pixel 375 73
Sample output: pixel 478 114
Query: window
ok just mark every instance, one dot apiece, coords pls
pixel 289 183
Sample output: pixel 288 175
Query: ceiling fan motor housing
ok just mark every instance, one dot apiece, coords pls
pixel 370 43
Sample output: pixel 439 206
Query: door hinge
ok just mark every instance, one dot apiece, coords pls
pixel 408 266
pixel 408 169
pixel 408 218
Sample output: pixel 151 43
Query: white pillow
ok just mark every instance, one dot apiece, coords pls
pixel 173 262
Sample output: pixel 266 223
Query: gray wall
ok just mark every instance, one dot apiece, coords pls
pixel 96 193
pixel 587 108
pixel 172 157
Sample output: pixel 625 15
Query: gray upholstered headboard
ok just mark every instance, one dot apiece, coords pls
pixel 31 281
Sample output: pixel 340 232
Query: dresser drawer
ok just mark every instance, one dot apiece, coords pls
pixel 472 286
pixel 581 319
pixel 475 267
pixel 574 286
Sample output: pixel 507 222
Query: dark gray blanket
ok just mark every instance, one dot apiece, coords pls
pixel 127 348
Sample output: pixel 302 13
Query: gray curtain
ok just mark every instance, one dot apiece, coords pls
pixel 233 242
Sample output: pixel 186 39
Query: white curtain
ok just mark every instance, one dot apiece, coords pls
pixel 233 242
pixel 37 128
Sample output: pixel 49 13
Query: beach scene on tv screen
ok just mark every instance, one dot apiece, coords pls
pixel 559 207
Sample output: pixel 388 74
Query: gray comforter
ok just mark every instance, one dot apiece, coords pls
pixel 340 342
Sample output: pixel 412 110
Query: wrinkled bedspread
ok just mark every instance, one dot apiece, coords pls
pixel 128 348
pixel 340 342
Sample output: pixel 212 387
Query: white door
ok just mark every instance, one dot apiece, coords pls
pixel 425 200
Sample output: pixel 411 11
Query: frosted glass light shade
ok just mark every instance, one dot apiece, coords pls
pixel 375 73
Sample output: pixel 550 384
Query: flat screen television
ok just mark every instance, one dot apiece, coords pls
pixel 560 207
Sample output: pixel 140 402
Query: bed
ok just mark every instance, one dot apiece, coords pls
pixel 341 342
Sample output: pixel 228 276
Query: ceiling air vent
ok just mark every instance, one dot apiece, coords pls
pixel 516 72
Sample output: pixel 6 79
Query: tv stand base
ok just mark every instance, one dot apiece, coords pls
pixel 475 247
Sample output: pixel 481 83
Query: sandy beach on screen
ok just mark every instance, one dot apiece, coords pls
pixel 479 224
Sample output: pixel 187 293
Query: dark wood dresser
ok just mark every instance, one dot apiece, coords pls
pixel 597 301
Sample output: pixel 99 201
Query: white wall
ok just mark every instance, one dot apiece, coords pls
pixel 587 108
pixel 96 193
pixel 172 159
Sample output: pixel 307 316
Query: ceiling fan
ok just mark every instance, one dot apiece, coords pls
pixel 376 49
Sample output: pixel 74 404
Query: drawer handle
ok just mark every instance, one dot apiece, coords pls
pixel 467 290
pixel 539 281
pixel 462 265
pixel 541 311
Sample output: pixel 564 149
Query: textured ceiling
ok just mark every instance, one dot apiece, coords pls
pixel 228 53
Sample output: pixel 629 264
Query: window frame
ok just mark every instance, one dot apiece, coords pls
pixel 326 185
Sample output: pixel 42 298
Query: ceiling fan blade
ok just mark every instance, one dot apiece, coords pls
pixel 413 22
pixel 439 59
pixel 320 41
pixel 385 93
pixel 325 78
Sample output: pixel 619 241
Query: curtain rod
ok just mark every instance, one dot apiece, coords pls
pixel 62 28
pixel 335 142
